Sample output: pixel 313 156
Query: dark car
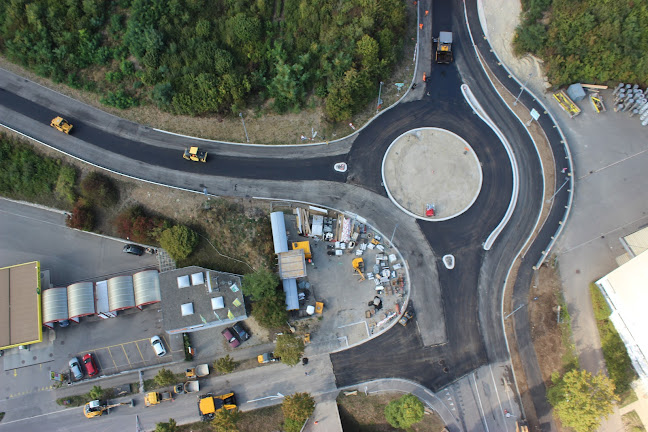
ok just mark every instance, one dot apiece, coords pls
pixel 90 365
pixel 240 331
pixel 133 249
pixel 230 338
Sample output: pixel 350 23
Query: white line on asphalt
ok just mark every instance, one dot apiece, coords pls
pixel 499 401
pixel 481 407
pixel 352 324
pixel 36 416
pixel 31 218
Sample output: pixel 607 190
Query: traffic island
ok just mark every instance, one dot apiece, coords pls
pixel 431 174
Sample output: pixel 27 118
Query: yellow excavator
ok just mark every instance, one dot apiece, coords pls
pixel 96 408
pixel 358 265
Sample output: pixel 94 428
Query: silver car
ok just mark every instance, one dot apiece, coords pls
pixel 158 346
pixel 75 368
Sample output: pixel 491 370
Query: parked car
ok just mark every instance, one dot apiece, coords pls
pixel 240 331
pixel 64 323
pixel 133 249
pixel 158 346
pixel 90 365
pixel 230 338
pixel 75 368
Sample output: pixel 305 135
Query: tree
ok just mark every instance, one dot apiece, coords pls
pixel 96 392
pixel 99 189
pixel 296 409
pixel 260 284
pixel 179 241
pixel 169 426
pixel 289 348
pixel 404 411
pixel 225 364
pixel 225 421
pixel 165 378
pixel 580 399
pixel 82 216
pixel 270 312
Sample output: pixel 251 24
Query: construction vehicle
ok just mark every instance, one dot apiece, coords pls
pixel 407 316
pixel 59 123
pixel 195 154
pixel 267 358
pixel 202 370
pixel 305 245
pixel 567 104
pixel 154 398
pixel 96 408
pixel 358 266
pixel 521 426
pixel 209 404
pixel 444 48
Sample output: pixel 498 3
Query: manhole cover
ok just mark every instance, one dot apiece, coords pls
pixel 22 361
pixel 62 342
pixel 34 358
pixel 51 354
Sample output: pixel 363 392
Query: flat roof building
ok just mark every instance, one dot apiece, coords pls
pixel 195 298
pixel 20 305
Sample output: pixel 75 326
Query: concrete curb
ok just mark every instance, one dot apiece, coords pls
pixel 38 206
pixel 474 104
pixel 409 213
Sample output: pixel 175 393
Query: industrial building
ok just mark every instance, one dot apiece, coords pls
pixel 20 305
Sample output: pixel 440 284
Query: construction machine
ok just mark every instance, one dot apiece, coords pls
pixel 444 47
pixel 199 371
pixel 59 123
pixel 267 358
pixel 97 408
pixel 209 404
pixel 521 426
pixel 407 316
pixel 195 154
pixel 154 398
pixel 358 265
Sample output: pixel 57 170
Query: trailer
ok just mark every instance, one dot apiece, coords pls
pixel 202 370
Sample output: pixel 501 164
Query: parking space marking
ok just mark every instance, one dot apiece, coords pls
pixel 96 357
pixel 127 359
pixel 111 357
pixel 116 365
pixel 140 353
pixel 15 372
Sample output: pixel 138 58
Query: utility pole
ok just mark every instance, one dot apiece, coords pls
pixel 379 100
pixel 523 87
pixel 244 129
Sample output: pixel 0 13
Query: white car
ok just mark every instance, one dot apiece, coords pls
pixel 158 346
pixel 75 368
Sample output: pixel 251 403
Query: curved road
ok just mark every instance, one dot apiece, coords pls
pixel 470 294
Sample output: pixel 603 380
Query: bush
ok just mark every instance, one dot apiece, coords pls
pixel 187 347
pixel 296 409
pixel 133 223
pixel 404 411
pixel 119 99
pixel 289 348
pixel 225 364
pixel 260 284
pixel 165 378
pixel 96 393
pixel 179 241
pixel 99 189
pixel 65 183
pixel 82 216
pixel 270 312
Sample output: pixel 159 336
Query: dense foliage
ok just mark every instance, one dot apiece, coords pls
pixel 82 216
pixel 589 41
pixel 195 56
pixel 296 409
pixel 404 411
pixel 179 241
pixel 99 190
pixel 260 284
pixel 24 174
pixel 225 364
pixel 581 399
pixel 289 349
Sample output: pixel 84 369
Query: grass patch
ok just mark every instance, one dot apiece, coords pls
pixel 632 422
pixel 616 357
pixel 264 419
pixel 362 413
pixel 570 359
pixel 80 400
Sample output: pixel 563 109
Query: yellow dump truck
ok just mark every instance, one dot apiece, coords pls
pixel 59 123
pixel 154 398
pixel 209 404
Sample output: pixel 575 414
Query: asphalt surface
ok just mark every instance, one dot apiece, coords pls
pixel 470 295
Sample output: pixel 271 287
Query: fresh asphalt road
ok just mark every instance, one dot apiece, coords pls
pixel 34 234
pixel 471 293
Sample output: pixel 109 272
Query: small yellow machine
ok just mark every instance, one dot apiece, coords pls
pixel 61 124
pixel 358 265
pixel 154 398
pixel 305 245
pixel 195 154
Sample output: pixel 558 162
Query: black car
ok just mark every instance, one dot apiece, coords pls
pixel 133 249
pixel 242 334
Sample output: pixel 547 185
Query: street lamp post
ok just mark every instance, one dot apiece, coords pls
pixel 379 100
pixel 522 89
pixel 244 129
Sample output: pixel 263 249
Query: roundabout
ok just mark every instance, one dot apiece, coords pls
pixel 431 174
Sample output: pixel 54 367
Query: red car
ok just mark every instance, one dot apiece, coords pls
pixel 230 338
pixel 90 365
